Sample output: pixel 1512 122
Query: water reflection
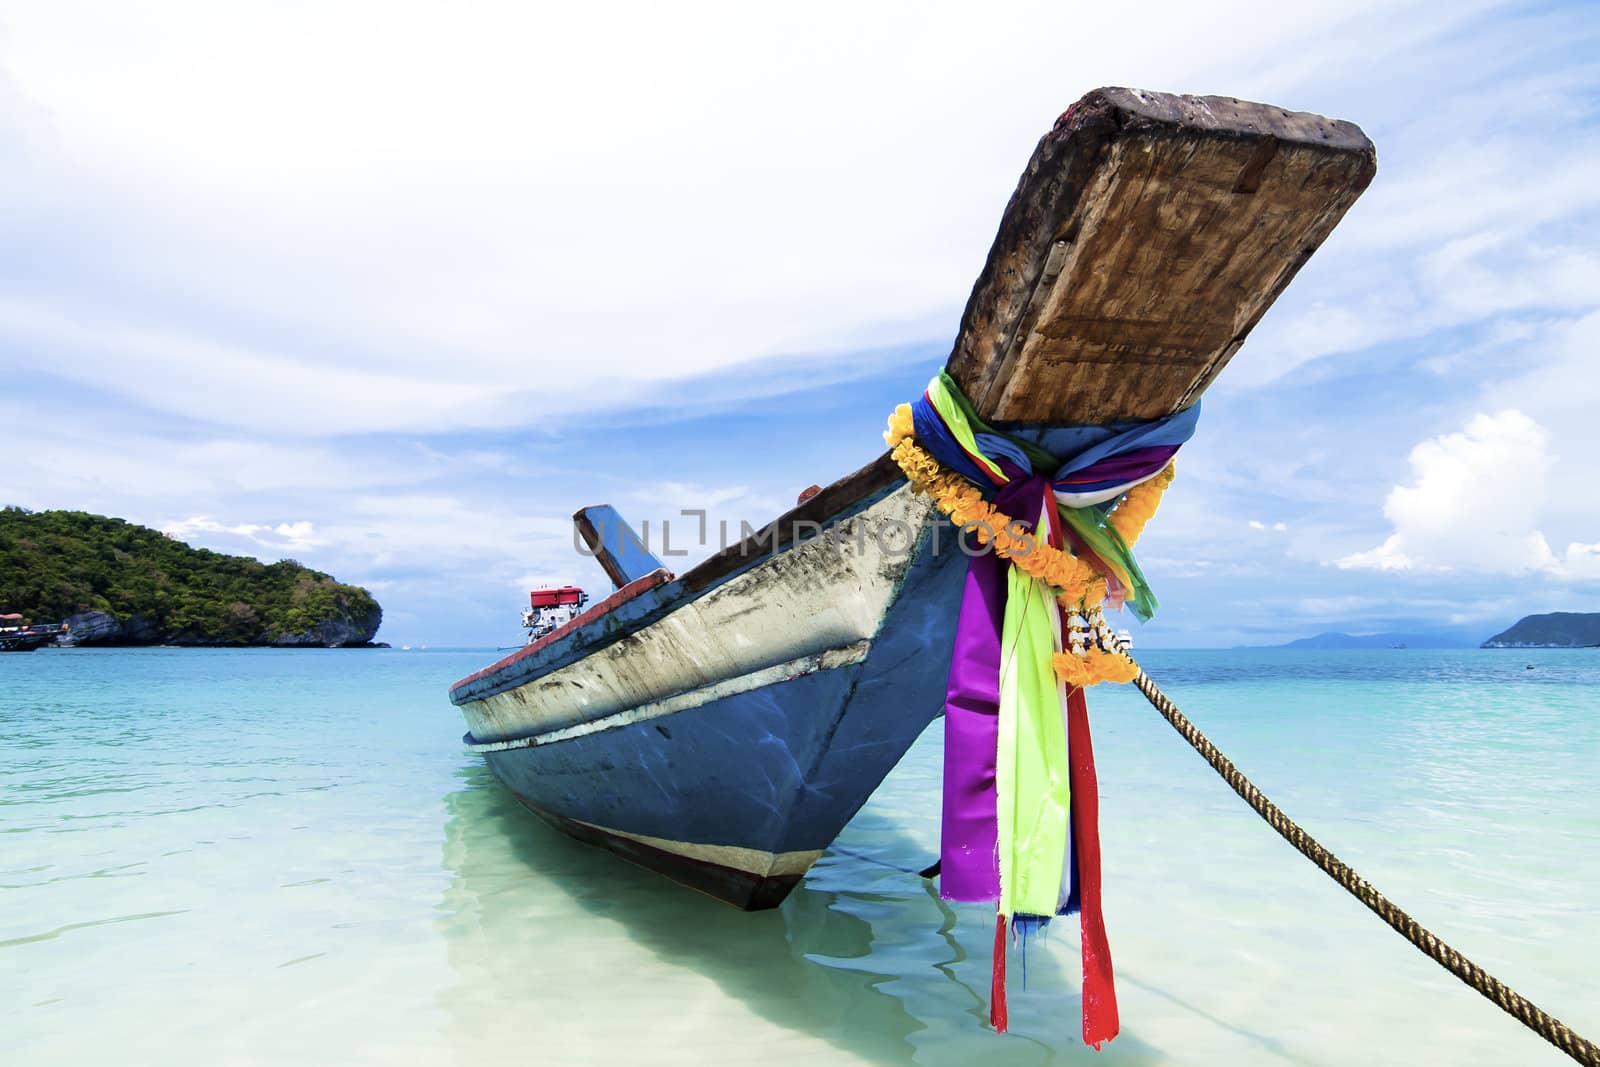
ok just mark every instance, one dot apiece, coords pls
pixel 521 894
pixel 583 951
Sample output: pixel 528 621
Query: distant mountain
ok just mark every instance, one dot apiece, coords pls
pixel 1341 640
pixel 1558 629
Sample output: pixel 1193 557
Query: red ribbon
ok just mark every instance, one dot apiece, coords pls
pixel 997 978
pixel 1100 1021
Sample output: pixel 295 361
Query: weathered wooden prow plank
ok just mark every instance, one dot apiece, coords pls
pixel 1148 235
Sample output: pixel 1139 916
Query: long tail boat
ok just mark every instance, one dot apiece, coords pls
pixel 721 726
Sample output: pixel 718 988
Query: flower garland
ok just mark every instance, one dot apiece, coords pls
pixel 1095 655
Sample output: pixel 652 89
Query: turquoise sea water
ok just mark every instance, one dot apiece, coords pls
pixel 270 856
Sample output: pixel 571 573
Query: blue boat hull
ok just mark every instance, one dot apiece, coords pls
pixel 737 795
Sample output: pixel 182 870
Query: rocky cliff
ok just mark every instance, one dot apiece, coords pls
pixel 91 628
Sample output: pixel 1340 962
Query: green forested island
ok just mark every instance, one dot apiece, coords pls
pixel 1558 629
pixel 117 583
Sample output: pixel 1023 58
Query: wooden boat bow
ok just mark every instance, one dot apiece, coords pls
pixel 1147 236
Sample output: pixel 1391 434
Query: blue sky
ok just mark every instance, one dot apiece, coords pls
pixel 393 289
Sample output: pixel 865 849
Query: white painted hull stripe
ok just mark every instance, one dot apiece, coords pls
pixel 750 860
pixel 744 683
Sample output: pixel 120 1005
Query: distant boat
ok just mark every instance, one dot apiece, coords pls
pixel 15 637
pixel 721 726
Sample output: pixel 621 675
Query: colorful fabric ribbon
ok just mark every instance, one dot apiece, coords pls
pixel 1021 819
pixel 1105 463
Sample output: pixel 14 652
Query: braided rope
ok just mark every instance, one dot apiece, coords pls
pixel 1525 1011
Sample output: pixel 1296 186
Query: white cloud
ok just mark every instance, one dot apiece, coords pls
pixel 1474 502
pixel 172 369
pixel 332 219
pixel 437 533
pixel 1555 381
pixel 1582 562
pixel 1340 607
pixel 104 460
pixel 186 528
pixel 1471 221
pixel 300 533
pixel 282 538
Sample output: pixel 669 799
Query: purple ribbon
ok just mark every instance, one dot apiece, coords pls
pixel 969 863
pixel 969 867
pixel 1119 469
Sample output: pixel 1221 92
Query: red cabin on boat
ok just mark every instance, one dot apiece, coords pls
pixel 550 598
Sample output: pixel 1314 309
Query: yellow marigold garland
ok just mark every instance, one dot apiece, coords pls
pixel 1093 667
pixel 1080 586
pixel 1139 504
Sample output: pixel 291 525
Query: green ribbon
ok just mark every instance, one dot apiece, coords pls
pixel 1031 785
pixel 1094 527
pixel 948 398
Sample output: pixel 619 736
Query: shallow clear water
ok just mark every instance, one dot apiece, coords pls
pixel 269 856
